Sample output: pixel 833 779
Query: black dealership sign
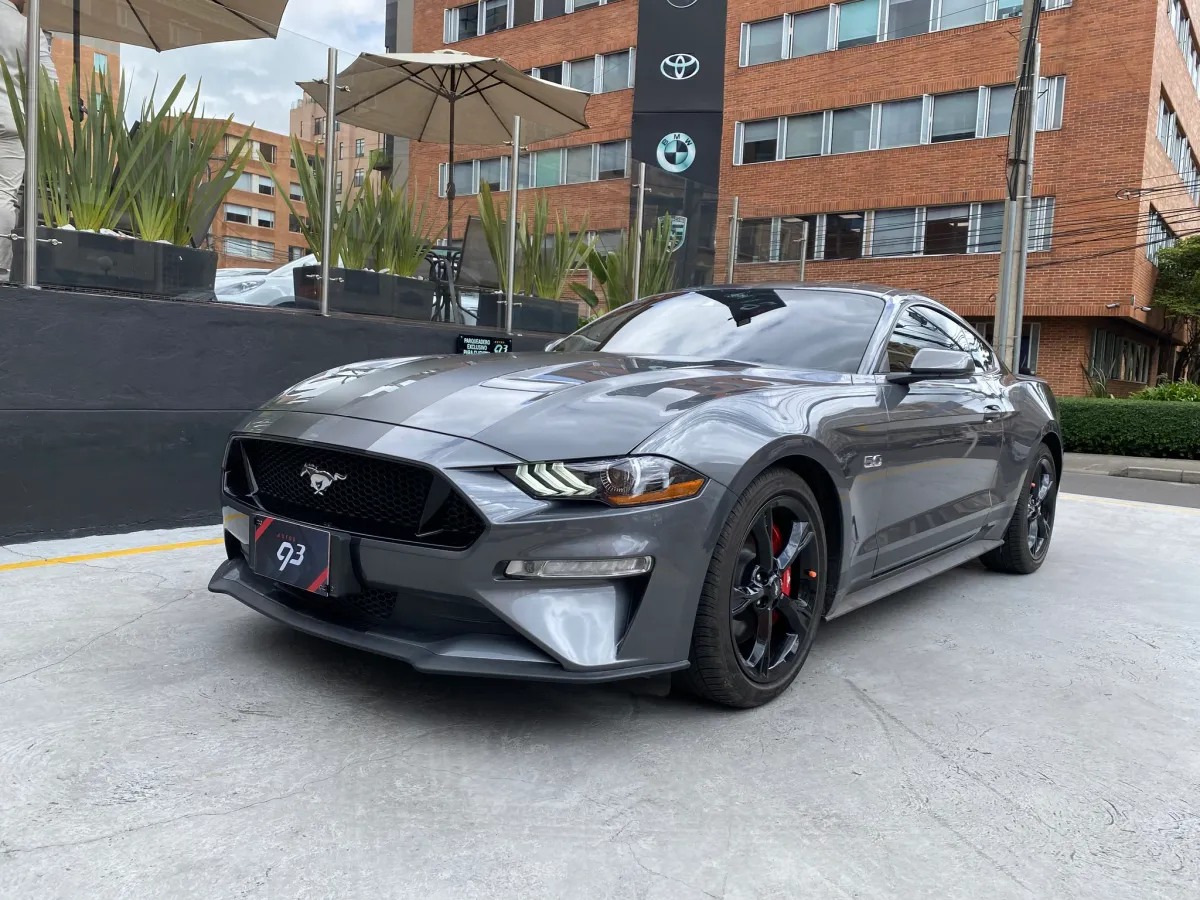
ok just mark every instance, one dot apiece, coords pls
pixel 679 98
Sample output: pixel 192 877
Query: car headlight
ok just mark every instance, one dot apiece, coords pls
pixel 632 481
pixel 241 287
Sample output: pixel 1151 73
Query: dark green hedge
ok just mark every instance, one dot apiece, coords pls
pixel 1131 427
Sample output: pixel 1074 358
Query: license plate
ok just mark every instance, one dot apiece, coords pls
pixel 290 553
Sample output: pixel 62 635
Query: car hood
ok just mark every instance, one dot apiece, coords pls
pixel 535 406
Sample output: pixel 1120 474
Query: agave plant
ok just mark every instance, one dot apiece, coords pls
pixel 312 189
pixel 613 271
pixel 86 181
pixel 546 256
pixel 361 223
pixel 405 233
pixel 168 203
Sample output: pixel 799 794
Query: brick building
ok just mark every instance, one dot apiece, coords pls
pixel 97 60
pixel 358 153
pixel 254 227
pixel 883 124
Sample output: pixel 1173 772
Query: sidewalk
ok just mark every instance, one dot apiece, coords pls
pixel 1180 470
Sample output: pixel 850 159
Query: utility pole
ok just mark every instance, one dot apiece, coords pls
pixel 1010 301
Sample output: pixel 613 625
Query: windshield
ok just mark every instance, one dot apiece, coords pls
pixel 797 328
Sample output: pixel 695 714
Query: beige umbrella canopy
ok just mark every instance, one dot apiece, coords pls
pixel 166 24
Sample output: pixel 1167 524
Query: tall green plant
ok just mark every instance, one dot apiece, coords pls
pixel 406 233
pixel 362 225
pixel 87 182
pixel 167 204
pixel 547 253
pixel 495 228
pixel 613 271
pixel 312 189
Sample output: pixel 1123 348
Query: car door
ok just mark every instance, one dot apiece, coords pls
pixel 945 439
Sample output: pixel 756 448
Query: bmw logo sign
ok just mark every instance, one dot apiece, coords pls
pixel 679 66
pixel 676 152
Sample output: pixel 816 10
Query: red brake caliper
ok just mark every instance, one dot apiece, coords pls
pixel 776 546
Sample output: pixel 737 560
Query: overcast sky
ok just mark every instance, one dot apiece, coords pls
pixel 255 81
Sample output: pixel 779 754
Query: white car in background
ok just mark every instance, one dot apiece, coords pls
pixel 263 288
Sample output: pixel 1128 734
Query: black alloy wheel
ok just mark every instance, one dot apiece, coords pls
pixel 1026 541
pixel 763 596
pixel 772 599
pixel 1040 511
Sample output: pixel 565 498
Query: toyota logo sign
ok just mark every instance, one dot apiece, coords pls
pixel 679 66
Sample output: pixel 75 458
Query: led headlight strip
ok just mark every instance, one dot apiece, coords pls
pixel 554 480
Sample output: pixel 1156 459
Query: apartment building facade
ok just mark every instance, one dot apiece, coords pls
pixel 254 227
pixel 98 61
pixel 883 125
pixel 359 154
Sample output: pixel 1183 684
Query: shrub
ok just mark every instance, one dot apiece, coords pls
pixel 1178 391
pixel 1130 427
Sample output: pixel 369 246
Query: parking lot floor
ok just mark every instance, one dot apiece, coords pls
pixel 978 736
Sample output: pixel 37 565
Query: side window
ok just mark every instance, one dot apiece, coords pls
pixel 915 331
pixel 966 339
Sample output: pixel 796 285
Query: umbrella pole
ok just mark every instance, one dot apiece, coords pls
pixel 451 296
pixel 514 184
pixel 77 109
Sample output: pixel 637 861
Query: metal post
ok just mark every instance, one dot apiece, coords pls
pixel 77 111
pixel 513 184
pixel 1015 205
pixel 637 240
pixel 33 81
pixel 803 248
pixel 733 241
pixel 1026 213
pixel 330 169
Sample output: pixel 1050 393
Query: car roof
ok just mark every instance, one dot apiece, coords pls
pixel 855 287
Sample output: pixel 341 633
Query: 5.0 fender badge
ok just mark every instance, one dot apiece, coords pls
pixel 872 462
pixel 676 152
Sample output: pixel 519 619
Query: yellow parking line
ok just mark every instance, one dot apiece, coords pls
pixel 1131 504
pixel 108 554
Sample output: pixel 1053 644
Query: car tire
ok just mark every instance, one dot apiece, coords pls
pixel 720 670
pixel 1027 538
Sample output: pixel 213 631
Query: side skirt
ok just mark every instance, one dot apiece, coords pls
pixel 914 574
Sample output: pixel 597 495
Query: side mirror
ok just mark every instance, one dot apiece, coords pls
pixel 936 365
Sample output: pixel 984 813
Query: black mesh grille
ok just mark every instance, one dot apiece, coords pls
pixel 432 615
pixel 365 495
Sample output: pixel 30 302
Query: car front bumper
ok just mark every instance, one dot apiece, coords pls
pixel 457 613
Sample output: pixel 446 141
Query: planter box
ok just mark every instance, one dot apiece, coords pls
pixel 529 313
pixel 366 293
pixel 82 260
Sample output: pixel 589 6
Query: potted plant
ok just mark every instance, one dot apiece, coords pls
pixel 613 271
pixel 546 258
pixel 109 180
pixel 380 239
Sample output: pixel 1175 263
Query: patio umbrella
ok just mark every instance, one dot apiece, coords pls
pixel 448 97
pixel 161 24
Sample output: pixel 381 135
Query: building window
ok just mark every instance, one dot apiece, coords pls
pixel 810 32
pixel 360 147
pixel 318 126
pixel 843 235
pixel 1049 113
pixel 263 152
pixel 851 130
pixel 1031 337
pixel 100 64
pixel 337 188
pixel 1158 235
pixel 359 176
pixel 523 11
pixel 999 109
pixel 239 215
pixel 294 224
pixel 495 16
pixel 788 243
pixel 295 191
pixel 908 17
pixel 759 141
pixel 547 168
pixel 583 74
pixel 295 253
pixel 552 9
pixel 754 240
pixel 858 23
pixel 989 230
pixel 341 150
pixel 958 13
pixel 947 229
pixel 804 135
pixel 245 182
pixel 462 23
pixel 894 232
pixel 612 162
pixel 266 186
pixel 900 123
pixel 1178 148
pixel 1120 359
pixel 491 173
pixel 553 74
pixel 606 242
pixel 762 42
pixel 1186 39
pixel 248 249
pixel 579 165
pixel 954 116
pixel 1041 224
pixel 615 71
pixel 264 218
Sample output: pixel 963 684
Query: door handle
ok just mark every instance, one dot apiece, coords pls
pixel 992 412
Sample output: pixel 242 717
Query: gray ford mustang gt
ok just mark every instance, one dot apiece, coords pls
pixel 686 485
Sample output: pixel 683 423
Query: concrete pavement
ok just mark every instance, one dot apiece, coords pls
pixel 979 736
pixel 1186 471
